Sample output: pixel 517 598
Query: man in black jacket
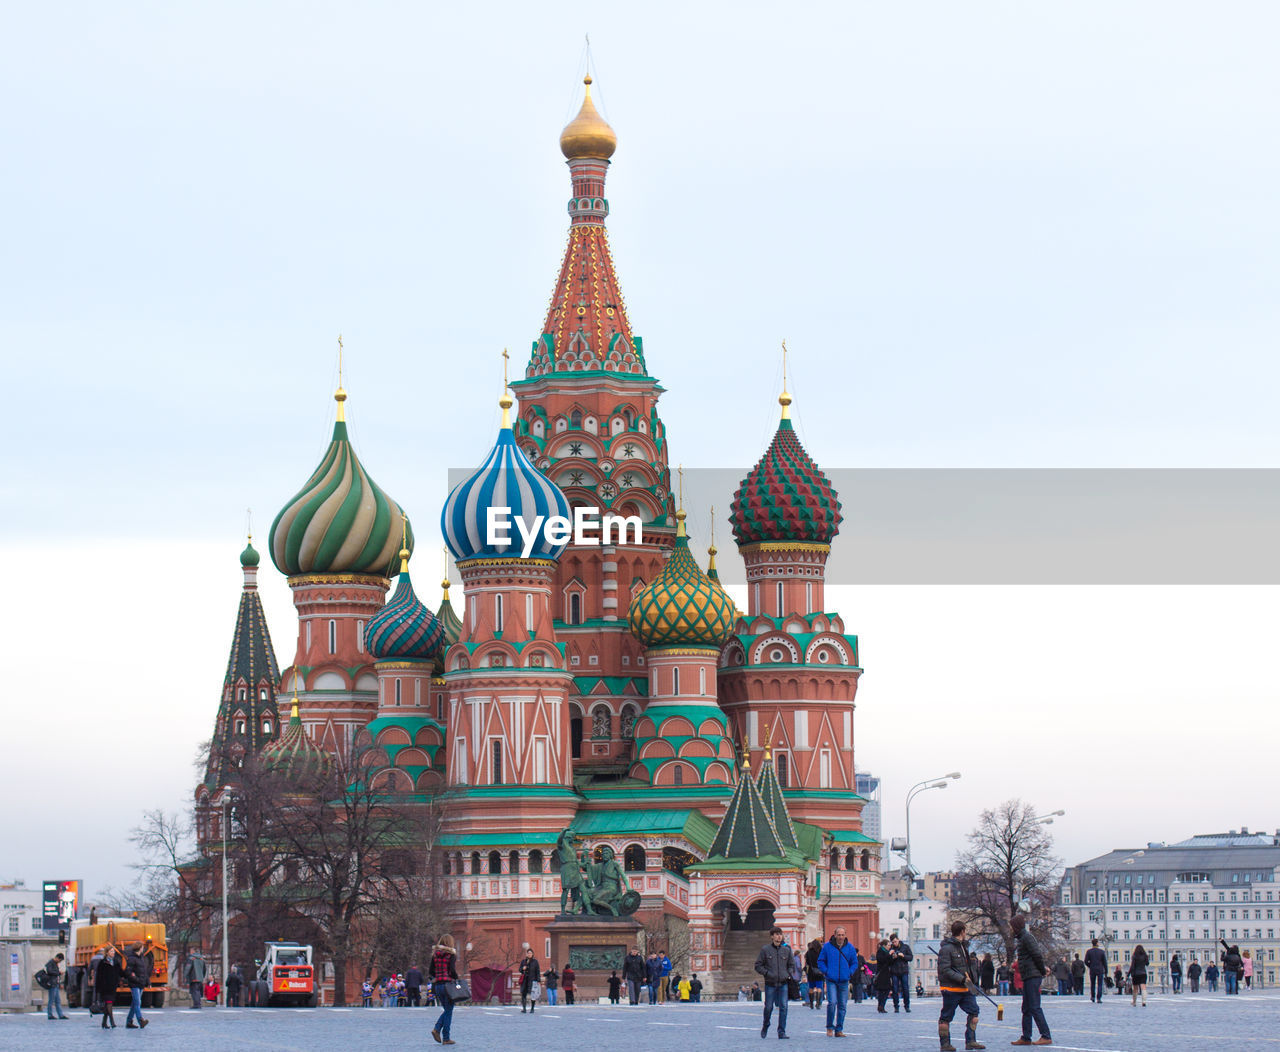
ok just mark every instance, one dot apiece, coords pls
pixel 900 972
pixel 1095 960
pixel 774 966
pixel 634 974
pixel 957 981
pixel 137 973
pixel 1031 966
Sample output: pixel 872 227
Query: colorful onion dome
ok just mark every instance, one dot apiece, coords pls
pixel 250 556
pixel 588 134
pixel 294 754
pixel 341 521
pixel 786 497
pixel 448 618
pixel 506 479
pixel 682 606
pixel 404 629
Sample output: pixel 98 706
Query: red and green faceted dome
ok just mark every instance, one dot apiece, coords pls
pixel 785 497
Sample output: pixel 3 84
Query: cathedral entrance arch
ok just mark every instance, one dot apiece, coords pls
pixel 728 916
pixel 759 915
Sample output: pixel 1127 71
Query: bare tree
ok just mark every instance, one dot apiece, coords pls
pixel 170 889
pixel 1009 859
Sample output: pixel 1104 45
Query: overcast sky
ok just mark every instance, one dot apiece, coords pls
pixel 993 235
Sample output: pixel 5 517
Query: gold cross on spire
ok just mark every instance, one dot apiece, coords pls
pixel 340 395
pixel 404 542
pixel 680 474
pixel 248 522
pixel 506 401
pixel 505 358
pixel 784 399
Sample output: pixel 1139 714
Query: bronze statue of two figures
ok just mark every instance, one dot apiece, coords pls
pixel 591 887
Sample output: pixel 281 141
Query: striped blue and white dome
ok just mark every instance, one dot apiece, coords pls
pixel 507 479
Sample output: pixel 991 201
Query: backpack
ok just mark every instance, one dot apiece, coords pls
pixel 43 979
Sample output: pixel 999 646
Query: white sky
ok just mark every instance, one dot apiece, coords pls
pixel 993 235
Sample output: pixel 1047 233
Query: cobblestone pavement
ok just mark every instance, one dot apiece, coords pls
pixel 1189 1023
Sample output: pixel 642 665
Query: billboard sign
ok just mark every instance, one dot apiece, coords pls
pixel 61 903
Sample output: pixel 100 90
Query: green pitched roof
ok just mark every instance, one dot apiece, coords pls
pixel 746 831
pixel 693 825
pixel 771 794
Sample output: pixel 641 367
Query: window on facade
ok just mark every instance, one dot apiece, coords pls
pixel 239 726
pixel 779 598
pixel 496 762
pixel 575 609
pixel 850 859
pixel 633 859
pixel 333 637
pixel 475 863
pixel 780 766
pixel 262 694
pixel 866 860
pixel 497 613
pixel 824 769
pixel 535 861
pixel 513 862
pixel 495 863
pixel 675 681
pixel 702 680
pixel 397 692
pixel 677 776
pixel 628 723
pixel 601 722
pixel 528 611
pixel 575 736
pixel 266 726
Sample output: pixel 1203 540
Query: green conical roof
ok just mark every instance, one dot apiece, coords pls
pixel 747 830
pixel 771 793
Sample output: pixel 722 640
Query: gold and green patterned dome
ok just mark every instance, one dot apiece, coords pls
pixel 681 607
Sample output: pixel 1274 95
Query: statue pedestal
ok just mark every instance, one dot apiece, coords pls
pixel 594 946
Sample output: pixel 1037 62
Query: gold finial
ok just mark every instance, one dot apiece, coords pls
pixel 588 135
pixel 340 395
pixel 711 548
pixel 506 401
pixel 768 752
pixel 746 753
pixel 445 583
pixel 680 514
pixel 248 522
pixel 784 399
pixel 404 543
pixel 293 713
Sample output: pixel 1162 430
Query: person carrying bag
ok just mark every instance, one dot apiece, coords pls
pixel 447 987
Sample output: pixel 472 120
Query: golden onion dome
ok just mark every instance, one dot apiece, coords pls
pixel 588 134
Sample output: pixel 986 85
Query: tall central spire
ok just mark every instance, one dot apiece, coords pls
pixel 586 328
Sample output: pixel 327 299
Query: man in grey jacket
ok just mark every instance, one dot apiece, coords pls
pixel 194 974
pixel 774 966
pixel 1031 966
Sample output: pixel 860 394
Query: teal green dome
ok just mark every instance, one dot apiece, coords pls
pixel 341 521
pixel 250 556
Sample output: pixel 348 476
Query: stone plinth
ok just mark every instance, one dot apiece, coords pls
pixel 594 946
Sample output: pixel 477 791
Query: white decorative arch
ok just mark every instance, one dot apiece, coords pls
pixel 768 642
pixel 834 642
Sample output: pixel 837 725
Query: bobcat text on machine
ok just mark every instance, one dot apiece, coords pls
pixel 287 976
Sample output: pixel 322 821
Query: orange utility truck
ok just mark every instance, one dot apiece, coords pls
pixel 87 941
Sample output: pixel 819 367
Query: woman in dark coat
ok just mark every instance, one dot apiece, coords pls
pixel 1138 973
pixel 816 980
pixel 530 973
pixel 105 980
pixel 883 981
pixel 987 974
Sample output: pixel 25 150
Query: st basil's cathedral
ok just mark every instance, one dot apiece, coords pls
pixel 613 690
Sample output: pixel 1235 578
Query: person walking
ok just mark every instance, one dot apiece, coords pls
pixel 413 986
pixel 1031 968
pixel 194 974
pixel 773 965
pixel 1210 977
pixel 551 983
pixel 957 980
pixel 695 989
pixel 1232 964
pixel 1095 959
pixel 530 976
pixel 800 977
pixel 837 963
pixel 1175 973
pixel 883 981
pixel 234 981
pixel 106 979
pixel 653 976
pixel 615 988
pixel 211 990
pixel 1004 976
pixel 444 969
pixel 900 956
pixel 1246 969
pixel 1119 980
pixel 1138 974
pixel 633 974
pixel 137 973
pixel 664 977
pixel 811 954
pixel 1062 975
pixel 1077 976
pixel 987 974
pixel 1194 971
pixel 568 983
pixel 56 969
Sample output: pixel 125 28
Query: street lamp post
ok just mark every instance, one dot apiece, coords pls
pixel 225 802
pixel 929 783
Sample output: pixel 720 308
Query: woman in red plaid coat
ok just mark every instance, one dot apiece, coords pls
pixel 444 966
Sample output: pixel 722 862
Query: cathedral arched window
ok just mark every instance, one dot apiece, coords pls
pixel 495 863
pixel 575 418
pixel 601 722
pixel 575 734
pixel 575 608
pixel 513 862
pixel 675 681
pixel 239 726
pixel 475 863
pixel 535 861
pixel 866 859
pixel 633 859
pixel 266 726
pixel 677 776
pixel 850 859
pixel 496 769
pixel 333 637
pixel 628 722
pixel 780 766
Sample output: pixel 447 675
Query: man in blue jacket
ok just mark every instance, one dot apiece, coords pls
pixel 837 962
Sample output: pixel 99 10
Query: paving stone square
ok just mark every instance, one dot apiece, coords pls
pixel 1199 1023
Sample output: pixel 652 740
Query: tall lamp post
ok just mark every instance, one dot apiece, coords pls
pixel 1024 904
pixel 940 782
pixel 226 800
